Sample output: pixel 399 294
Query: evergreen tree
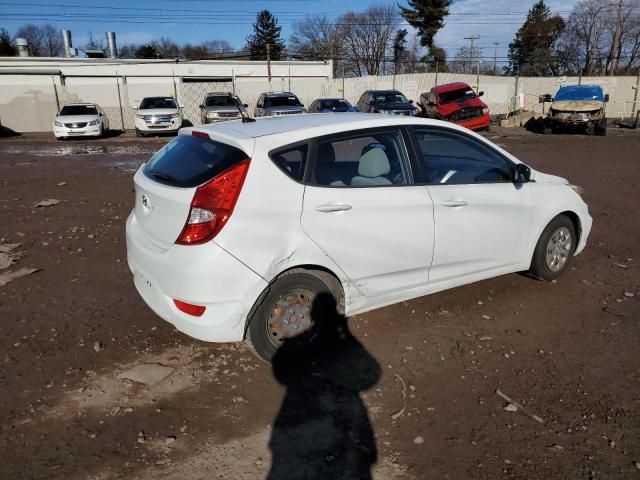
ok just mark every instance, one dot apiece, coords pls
pixel 147 51
pixel 399 49
pixel 265 31
pixel 6 47
pixel 532 50
pixel 426 16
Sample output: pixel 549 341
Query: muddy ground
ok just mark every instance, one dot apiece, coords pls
pixel 568 351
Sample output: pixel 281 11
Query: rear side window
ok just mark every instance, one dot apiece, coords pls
pixel 189 161
pixel 291 161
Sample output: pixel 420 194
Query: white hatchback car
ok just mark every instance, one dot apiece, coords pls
pixel 238 227
pixel 80 120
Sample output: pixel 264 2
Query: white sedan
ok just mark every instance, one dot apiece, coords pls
pixel 80 120
pixel 239 228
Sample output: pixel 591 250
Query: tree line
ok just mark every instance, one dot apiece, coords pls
pixel 598 37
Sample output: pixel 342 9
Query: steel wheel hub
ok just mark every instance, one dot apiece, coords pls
pixel 290 316
pixel 558 249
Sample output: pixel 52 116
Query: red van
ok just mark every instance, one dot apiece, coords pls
pixel 457 103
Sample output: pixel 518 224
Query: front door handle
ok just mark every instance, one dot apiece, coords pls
pixel 328 208
pixel 455 203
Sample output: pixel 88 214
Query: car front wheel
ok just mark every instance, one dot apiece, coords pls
pixel 554 249
pixel 289 315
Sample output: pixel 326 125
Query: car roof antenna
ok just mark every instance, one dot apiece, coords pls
pixel 245 116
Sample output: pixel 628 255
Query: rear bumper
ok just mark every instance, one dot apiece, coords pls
pixel 478 123
pixel 202 275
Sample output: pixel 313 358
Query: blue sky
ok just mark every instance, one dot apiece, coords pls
pixel 194 21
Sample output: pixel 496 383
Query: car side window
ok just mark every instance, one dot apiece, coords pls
pixel 291 161
pixel 454 158
pixel 368 159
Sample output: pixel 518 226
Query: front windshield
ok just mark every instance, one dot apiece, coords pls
pixel 157 102
pixel 334 105
pixel 391 97
pixel 79 110
pixel 221 101
pixel 456 95
pixel 580 93
pixel 289 101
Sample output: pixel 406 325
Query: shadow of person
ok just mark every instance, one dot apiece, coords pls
pixel 322 430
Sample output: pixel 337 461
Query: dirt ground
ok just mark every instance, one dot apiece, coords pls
pixel 412 398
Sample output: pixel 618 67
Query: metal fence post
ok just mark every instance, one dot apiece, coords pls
pixel 635 109
pixel 120 102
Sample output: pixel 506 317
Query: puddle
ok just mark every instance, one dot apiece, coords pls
pixel 72 150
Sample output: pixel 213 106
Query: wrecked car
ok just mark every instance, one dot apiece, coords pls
pixel 244 230
pixel 458 103
pixel 577 107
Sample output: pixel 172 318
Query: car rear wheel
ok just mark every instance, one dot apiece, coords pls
pixel 554 249
pixel 287 315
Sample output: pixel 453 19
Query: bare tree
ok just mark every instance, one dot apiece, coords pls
pixel 367 38
pixel 217 47
pixel 166 47
pixel 44 40
pixel 317 38
pixel 94 43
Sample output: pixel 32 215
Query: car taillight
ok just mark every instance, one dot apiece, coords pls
pixel 212 205
pixel 194 310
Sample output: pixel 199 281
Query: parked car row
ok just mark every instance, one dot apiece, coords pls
pixel 580 106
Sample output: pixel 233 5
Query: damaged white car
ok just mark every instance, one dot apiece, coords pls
pixel 239 227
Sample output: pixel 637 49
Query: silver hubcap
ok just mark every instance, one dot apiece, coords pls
pixel 558 249
pixel 290 316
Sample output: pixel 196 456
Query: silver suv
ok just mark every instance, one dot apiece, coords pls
pixel 278 103
pixel 220 106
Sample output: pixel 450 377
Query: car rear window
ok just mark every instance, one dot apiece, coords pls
pixel 189 161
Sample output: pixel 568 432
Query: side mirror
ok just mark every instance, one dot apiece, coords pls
pixel 606 97
pixel 180 106
pixel 521 174
pixel 201 107
pixel 302 104
pixel 101 114
pixel 410 101
pixel 480 93
pixel 545 98
pixel 245 105
pixel 135 108
pixel 431 104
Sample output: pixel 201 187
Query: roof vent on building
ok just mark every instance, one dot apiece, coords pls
pixel 23 47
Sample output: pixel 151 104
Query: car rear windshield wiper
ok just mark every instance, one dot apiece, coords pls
pixel 163 176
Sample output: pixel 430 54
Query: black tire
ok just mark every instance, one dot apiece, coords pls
pixel 547 129
pixel 600 129
pixel 540 266
pixel 262 332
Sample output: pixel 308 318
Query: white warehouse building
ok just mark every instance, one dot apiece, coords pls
pixel 32 89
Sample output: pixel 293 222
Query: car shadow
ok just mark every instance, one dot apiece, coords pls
pixel 322 429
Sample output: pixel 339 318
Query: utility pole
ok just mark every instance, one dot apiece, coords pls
pixel 616 40
pixel 471 39
pixel 495 59
pixel 269 65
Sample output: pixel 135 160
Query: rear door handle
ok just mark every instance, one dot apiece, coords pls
pixel 328 208
pixel 455 203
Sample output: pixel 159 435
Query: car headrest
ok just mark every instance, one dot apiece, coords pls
pixel 374 163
